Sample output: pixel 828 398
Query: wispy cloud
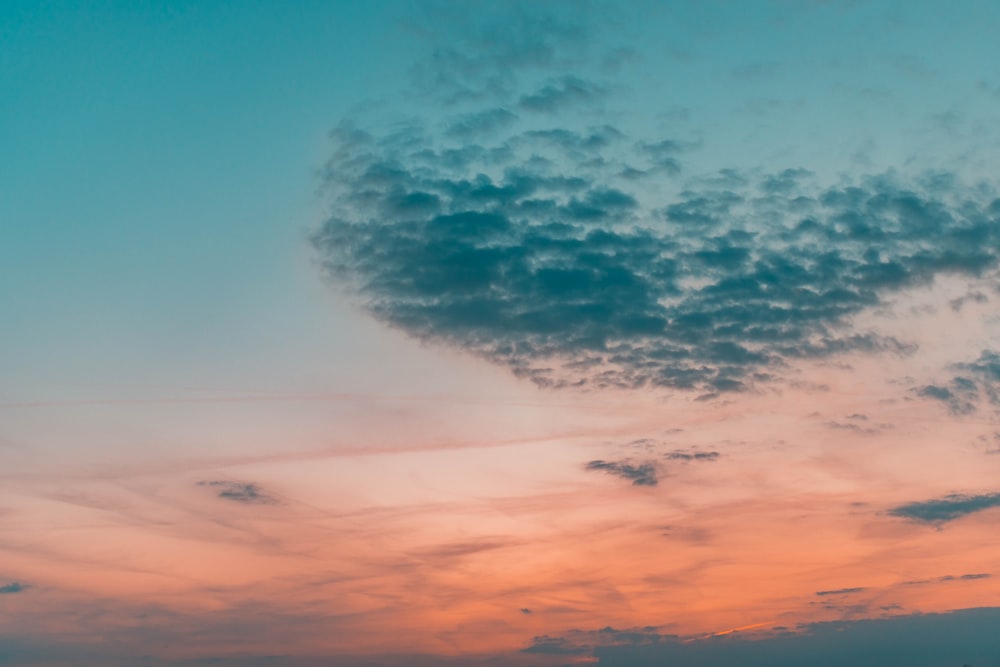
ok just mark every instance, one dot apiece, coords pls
pixel 693 455
pixel 949 577
pixel 841 591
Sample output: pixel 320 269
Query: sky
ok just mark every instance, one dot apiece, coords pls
pixel 499 334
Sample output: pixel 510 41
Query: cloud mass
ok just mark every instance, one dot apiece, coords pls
pixel 535 253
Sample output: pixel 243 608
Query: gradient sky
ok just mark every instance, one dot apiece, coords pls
pixel 506 334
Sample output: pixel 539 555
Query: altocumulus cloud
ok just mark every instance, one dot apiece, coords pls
pixel 534 251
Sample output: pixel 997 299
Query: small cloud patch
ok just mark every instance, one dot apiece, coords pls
pixel 942 510
pixel 640 474
pixel 240 492
pixel 692 455
pixel 841 591
pixel 12 587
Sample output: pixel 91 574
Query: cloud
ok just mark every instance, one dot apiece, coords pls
pixel 642 474
pixel 841 591
pixel 694 455
pixel 534 231
pixel 960 396
pixel 481 123
pixel 554 646
pixel 579 642
pixel 949 508
pixel 563 92
pixel 949 577
pixel 920 640
pixel 12 587
pixel 240 492
pixel 532 252
pixel 482 54
pixel 975 382
pixel 856 424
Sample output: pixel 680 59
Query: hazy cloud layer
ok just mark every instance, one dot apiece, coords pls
pixel 536 252
pixel 942 510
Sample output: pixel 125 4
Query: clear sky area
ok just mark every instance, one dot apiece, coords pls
pixel 500 334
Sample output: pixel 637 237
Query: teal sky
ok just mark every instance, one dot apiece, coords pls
pixel 160 169
pixel 424 331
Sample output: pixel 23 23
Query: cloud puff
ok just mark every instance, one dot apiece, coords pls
pixel 240 492
pixel 12 587
pixel 641 474
pixel 534 252
pixel 942 510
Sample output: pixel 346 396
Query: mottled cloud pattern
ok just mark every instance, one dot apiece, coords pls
pixel 539 250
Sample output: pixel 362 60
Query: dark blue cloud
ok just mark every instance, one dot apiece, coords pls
pixel 949 508
pixel 640 474
pixel 976 382
pixel 12 587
